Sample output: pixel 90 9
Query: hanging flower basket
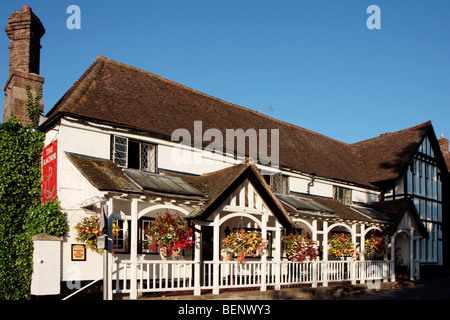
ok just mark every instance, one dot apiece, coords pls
pixel 299 248
pixel 341 245
pixel 241 244
pixel 375 247
pixel 171 234
pixel 88 232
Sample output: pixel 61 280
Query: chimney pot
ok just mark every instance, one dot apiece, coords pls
pixel 26 8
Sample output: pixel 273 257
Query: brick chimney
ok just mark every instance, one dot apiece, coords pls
pixel 25 31
pixel 443 143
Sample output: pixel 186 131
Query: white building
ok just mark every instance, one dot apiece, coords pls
pixel 115 136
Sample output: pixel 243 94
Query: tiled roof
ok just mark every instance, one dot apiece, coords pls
pixel 119 94
pixel 385 157
pixel 217 187
pixel 395 209
pixel 338 210
pixel 122 95
pixel 447 162
pixel 388 213
pixel 105 175
pixel 160 183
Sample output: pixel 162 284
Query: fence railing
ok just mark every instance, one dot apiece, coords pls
pixel 154 276
pixel 168 275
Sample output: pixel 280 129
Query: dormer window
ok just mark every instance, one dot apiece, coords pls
pixel 132 154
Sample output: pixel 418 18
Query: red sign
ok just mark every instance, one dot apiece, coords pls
pixel 49 161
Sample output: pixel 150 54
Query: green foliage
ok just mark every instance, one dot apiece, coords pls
pixel 21 212
pixel 34 112
pixel 48 218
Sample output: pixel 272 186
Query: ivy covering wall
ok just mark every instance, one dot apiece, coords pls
pixel 21 213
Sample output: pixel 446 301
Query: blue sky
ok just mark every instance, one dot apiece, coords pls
pixel 315 61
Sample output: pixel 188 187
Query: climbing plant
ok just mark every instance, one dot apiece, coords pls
pixel 21 213
pixel 33 109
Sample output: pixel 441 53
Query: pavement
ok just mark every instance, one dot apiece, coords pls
pixel 432 287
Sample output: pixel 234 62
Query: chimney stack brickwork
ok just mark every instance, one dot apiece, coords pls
pixel 25 31
pixel 443 143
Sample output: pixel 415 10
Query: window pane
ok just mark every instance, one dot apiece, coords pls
pixel 148 157
pixel 120 151
pixel 120 238
pixel 134 155
pixel 146 241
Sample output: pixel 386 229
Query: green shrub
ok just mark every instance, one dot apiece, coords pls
pixel 21 213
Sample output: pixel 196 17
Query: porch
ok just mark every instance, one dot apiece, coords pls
pixel 246 202
pixel 173 276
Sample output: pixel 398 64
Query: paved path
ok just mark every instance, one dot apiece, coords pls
pixel 428 288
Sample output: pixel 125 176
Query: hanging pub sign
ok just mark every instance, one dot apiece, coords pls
pixel 49 162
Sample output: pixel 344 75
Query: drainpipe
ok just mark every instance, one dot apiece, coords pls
pixel 310 184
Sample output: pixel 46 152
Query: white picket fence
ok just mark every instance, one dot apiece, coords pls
pixel 162 276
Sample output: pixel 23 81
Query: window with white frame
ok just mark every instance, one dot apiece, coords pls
pixel 144 238
pixel 121 239
pixel 133 154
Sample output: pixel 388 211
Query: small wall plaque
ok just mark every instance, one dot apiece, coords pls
pixel 78 252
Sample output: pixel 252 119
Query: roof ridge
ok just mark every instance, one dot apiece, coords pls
pixel 427 123
pixel 100 57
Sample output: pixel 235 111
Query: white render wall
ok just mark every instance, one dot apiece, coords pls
pixel 73 190
pixel 46 267
pixel 94 144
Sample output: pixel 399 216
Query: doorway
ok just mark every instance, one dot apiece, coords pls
pixel 207 243
pixel 402 255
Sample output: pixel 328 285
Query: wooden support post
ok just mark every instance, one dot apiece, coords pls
pixel 353 262
pixel 197 259
pixel 393 258
pixel 264 219
pixel 325 254
pixel 417 256
pixel 133 249
pixel 110 209
pixel 362 256
pixel 277 257
pixel 314 262
pixel 216 251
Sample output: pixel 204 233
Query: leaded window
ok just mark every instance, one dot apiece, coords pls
pixel 343 195
pixel 133 154
pixel 278 182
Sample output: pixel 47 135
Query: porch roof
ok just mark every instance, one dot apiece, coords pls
pixel 396 210
pixel 105 175
pixel 320 207
pixel 217 186
pixel 161 183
